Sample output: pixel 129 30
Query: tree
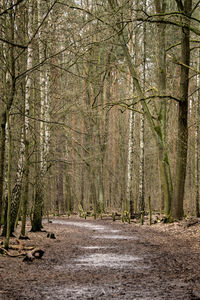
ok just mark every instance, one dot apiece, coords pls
pixel 182 140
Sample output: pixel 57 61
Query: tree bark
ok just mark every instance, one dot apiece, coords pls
pixel 182 141
pixel 9 184
pixel 26 108
pixel 141 199
pixel 36 221
pixel 197 115
pixel 129 187
pixel 2 160
pixel 165 170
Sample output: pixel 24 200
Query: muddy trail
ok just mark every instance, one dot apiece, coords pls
pixel 106 260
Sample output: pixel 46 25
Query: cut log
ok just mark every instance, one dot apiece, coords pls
pixel 35 253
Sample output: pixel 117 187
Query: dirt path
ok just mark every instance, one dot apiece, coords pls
pixel 105 260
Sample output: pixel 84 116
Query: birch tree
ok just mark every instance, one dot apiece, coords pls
pixel 26 109
pixel 44 133
pixel 141 194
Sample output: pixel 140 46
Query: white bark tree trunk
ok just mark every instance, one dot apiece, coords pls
pixel 44 96
pixel 141 199
pixel 26 120
pixel 129 188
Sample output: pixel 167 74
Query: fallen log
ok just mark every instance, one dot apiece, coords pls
pixel 20 247
pixel 35 253
pixel 16 247
pixel 3 251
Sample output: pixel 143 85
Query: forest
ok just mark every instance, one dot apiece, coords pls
pixel 99 109
pixel 99 149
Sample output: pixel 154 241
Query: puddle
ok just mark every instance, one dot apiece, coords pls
pixel 81 224
pixel 95 247
pixel 114 237
pixel 86 225
pixel 109 260
pixel 113 230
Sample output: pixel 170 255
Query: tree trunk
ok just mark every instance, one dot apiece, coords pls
pixel 15 203
pixel 9 101
pixel 129 188
pixel 38 206
pixel 165 171
pixel 182 141
pixel 197 116
pixel 26 189
pixel 93 192
pixel 141 199
pixel 9 184
pixel 2 160
pixel 9 90
pixel 27 101
pixel 68 193
pixel 60 195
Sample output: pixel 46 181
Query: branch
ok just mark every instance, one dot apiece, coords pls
pixel 173 46
pixel 197 4
pixel 193 29
pixel 40 64
pixel 131 105
pixel 42 22
pixel 30 41
pixel 178 44
pixel 182 64
pixel 11 7
pixel 49 122
pixel 13 44
pixel 173 13
pixel 162 97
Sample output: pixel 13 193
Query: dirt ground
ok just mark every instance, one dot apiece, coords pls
pixel 103 259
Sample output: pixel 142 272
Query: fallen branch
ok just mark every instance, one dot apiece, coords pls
pixel 20 247
pixel 6 252
pixel 30 252
pixel 35 253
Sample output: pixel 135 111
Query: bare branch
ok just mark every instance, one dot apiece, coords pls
pixel 195 7
pixel 11 7
pixel 42 22
pixel 191 28
pixel 182 64
pixel 13 44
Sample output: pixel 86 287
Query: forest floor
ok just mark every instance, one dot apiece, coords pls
pixel 102 259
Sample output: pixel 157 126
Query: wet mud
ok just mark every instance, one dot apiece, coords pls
pixel 106 260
